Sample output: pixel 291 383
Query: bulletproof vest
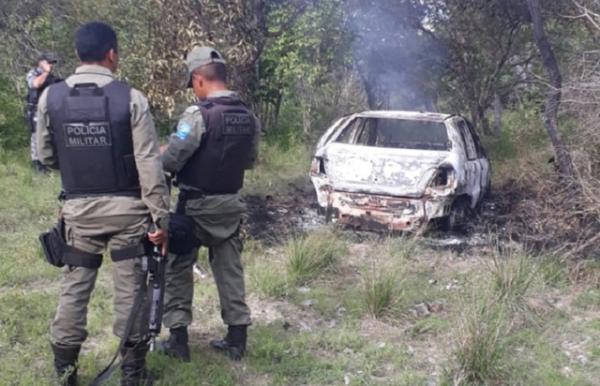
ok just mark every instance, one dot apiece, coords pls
pixel 33 94
pixel 91 130
pixel 218 165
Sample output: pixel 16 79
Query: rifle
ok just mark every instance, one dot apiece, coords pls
pixel 156 266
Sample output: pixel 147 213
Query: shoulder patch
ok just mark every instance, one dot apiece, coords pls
pixel 183 130
pixel 192 109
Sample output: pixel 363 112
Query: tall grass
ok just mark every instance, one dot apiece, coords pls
pixel 481 342
pixel 309 256
pixel 385 274
pixel 381 290
pixel 513 274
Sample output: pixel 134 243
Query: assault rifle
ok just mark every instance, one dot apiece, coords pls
pixel 156 265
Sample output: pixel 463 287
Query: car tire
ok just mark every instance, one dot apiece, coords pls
pixel 456 219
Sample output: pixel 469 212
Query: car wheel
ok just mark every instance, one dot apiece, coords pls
pixel 457 216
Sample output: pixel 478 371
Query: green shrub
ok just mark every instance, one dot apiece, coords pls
pixel 13 131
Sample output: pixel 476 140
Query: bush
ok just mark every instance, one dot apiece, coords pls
pixel 13 130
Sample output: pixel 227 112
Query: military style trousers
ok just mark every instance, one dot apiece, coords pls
pixel 217 220
pixel 95 227
pixel 31 122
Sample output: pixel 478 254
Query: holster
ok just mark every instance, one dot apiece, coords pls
pixel 53 244
pixel 181 234
pixel 58 253
pixel 181 229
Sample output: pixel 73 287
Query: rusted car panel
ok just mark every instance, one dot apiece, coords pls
pixel 370 184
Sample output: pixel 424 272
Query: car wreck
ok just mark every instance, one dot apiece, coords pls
pixel 400 170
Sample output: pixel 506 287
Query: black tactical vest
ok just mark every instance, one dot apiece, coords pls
pixel 33 94
pixel 218 165
pixel 91 130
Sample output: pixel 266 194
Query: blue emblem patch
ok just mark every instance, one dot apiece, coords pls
pixel 183 130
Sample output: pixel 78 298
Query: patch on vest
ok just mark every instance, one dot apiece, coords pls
pixel 93 134
pixel 237 124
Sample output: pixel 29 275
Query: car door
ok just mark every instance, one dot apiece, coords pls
pixel 473 168
pixel 484 163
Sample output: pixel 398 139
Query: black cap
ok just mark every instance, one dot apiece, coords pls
pixel 50 57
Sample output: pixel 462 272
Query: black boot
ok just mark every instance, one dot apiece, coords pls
pixel 65 364
pixel 177 344
pixel 234 343
pixel 133 367
pixel 40 168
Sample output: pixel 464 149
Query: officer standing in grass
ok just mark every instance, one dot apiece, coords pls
pixel 99 132
pixel 216 141
pixel 38 79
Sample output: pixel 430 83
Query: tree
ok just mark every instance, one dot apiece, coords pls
pixel 550 113
pixel 304 68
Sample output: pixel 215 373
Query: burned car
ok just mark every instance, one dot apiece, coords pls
pixel 400 170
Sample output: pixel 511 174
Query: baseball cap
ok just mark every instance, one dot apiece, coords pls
pixel 50 57
pixel 201 56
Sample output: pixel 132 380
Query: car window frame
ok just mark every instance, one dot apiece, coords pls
pixel 478 146
pixel 463 128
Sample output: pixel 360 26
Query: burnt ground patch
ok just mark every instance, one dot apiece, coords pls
pixel 273 218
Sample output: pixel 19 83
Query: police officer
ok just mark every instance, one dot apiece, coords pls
pixel 38 79
pixel 99 132
pixel 215 142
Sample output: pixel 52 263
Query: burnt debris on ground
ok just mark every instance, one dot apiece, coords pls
pixel 272 219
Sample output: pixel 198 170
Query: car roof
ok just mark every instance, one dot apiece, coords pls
pixel 411 115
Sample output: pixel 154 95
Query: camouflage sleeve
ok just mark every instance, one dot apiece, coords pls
pixel 155 193
pixel 31 75
pixel 43 136
pixel 255 145
pixel 184 142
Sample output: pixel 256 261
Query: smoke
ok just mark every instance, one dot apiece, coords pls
pixel 395 55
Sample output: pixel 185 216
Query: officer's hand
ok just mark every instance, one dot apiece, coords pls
pixel 159 237
pixel 163 148
pixel 45 66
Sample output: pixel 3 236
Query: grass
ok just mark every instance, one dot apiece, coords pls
pixel 328 308
pixel 513 274
pixel 480 346
pixel 311 255
pixel 278 170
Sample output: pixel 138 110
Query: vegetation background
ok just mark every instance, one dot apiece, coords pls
pixel 331 307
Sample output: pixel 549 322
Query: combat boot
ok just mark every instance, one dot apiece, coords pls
pixel 234 344
pixel 177 344
pixel 65 364
pixel 133 366
pixel 40 168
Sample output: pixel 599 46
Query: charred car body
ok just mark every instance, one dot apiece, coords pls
pixel 400 170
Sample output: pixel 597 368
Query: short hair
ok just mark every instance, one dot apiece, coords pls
pixel 213 72
pixel 93 40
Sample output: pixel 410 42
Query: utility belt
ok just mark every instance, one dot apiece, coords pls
pixel 58 253
pixel 187 194
pixel 63 196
